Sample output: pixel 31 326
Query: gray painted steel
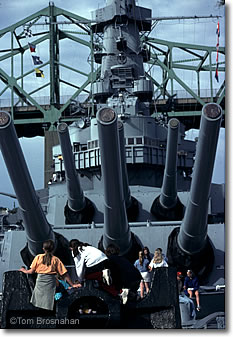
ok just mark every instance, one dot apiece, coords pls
pixel 115 219
pixel 193 232
pixel 36 225
pixel 76 200
pixel 168 195
pixel 125 180
pixel 114 167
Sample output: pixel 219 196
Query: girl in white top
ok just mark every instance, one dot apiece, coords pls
pixel 87 259
pixel 157 261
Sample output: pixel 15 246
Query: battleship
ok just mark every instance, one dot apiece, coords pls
pixel 121 176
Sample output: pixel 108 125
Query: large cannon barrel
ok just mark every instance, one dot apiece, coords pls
pixel 76 199
pixel 168 206
pixel 193 231
pixel 36 225
pixel 131 203
pixel 125 180
pixel 116 228
pixel 168 196
pixel 78 209
pixel 189 246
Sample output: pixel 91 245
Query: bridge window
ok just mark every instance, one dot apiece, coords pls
pixel 130 141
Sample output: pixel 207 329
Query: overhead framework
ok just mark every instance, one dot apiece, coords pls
pixel 25 107
pixel 166 57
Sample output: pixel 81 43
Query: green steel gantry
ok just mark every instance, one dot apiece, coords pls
pixel 46 116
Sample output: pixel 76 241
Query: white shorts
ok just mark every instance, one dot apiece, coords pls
pixel 145 276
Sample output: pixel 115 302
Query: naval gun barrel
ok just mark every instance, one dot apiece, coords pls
pixel 193 232
pixel 76 199
pixel 168 196
pixel 116 227
pixel 168 206
pixel 36 226
pixel 79 209
pixel 131 203
pixel 125 180
pixel 189 246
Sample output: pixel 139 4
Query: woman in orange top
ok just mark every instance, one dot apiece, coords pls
pixel 47 266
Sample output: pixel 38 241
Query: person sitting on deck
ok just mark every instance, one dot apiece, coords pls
pixel 183 299
pixel 191 286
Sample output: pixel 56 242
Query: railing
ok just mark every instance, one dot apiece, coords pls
pixel 45 100
pixel 147 223
pixel 42 100
pixel 183 94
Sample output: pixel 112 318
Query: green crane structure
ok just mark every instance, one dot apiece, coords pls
pixel 199 59
pixel 16 74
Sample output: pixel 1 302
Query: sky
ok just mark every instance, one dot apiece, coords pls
pixel 201 32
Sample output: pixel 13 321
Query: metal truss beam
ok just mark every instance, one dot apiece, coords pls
pixel 164 60
pixel 162 56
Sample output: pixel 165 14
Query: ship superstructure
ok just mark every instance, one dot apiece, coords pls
pixel 121 175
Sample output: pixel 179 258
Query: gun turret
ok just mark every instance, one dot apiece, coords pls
pixel 167 205
pixel 190 246
pixel 78 209
pixel 116 227
pixel 35 223
pixel 130 202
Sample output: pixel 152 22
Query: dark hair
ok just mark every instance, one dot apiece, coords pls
pixel 146 248
pixel 76 245
pixel 48 247
pixel 112 250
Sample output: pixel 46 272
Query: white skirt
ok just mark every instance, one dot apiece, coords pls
pixel 145 276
